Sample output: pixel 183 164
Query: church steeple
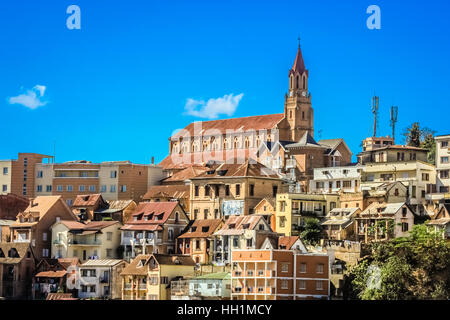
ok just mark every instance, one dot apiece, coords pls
pixel 298 110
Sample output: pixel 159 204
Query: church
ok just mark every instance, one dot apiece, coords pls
pixel 283 142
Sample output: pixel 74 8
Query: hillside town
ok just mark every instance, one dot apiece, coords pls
pixel 252 208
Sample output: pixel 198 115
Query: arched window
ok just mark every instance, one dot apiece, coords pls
pixel 304 82
pixel 235 144
pixel 290 82
pixel 247 143
pixel 290 114
pixel 297 82
pixel 225 144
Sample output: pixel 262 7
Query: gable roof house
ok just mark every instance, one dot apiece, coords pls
pixel 153 228
pixel 33 224
pixel 441 221
pixel 339 223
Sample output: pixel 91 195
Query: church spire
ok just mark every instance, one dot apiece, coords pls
pixel 299 64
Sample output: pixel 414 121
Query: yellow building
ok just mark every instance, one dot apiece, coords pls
pixel 148 277
pixel 293 208
pixel 96 239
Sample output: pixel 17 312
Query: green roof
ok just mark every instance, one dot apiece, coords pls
pixel 214 276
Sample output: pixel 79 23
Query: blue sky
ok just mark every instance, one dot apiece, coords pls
pixel 117 88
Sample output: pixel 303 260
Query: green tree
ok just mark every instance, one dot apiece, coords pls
pixel 415 136
pixel 412 135
pixel 312 231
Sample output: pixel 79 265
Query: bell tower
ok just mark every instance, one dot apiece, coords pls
pixel 298 110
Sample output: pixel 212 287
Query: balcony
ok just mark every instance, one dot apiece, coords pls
pixel 128 286
pixel 142 286
pixel 84 242
pixel 58 242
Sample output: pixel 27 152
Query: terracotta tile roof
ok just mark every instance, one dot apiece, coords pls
pixel 235 224
pixel 169 191
pixel 202 228
pixel 92 225
pixel 249 168
pixel 41 205
pixel 51 274
pixel 67 262
pixel 174 259
pixel 287 242
pixel 60 296
pixel 299 64
pixel 189 172
pixel 245 123
pixel 138 266
pixel 87 200
pixel 160 209
pixel 142 227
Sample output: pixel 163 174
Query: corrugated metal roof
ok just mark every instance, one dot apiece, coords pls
pixel 101 262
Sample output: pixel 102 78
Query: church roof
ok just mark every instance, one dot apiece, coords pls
pixel 267 122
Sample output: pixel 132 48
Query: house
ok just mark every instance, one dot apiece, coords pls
pixel 240 232
pixel 85 205
pixel 86 240
pixel 197 241
pixel 33 225
pixel 148 276
pixel 339 224
pixel 53 276
pixel 441 221
pixel 294 208
pixel 100 278
pixel 337 179
pixel 232 189
pixel 17 265
pixel 212 286
pixel 153 227
pixel 383 221
pixel 279 275
pixel 267 208
pixel 118 210
pixel 166 193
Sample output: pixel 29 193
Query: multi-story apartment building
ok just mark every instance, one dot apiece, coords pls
pixel 101 279
pixel 148 276
pixel 33 225
pixel 337 179
pixel 120 180
pixel 232 189
pixel 399 163
pixel 197 240
pixel 240 232
pixel 294 208
pixel 372 143
pixel 153 228
pixel 91 240
pixel 443 163
pixel 18 176
pixel 279 275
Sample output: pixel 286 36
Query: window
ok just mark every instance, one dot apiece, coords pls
pixel 5 170
pixel 4 188
pixel 413 192
pixel 92 188
pixel 195 214
pixel 443 174
pixel 92 288
pixel 207 191
pixel 405 226
pixel 302 267
pixel 285 267
pixel 45 253
pixel 109 236
pixel 319 285
pixel 252 190
pixel 123 188
pixel 103 188
pixel 59 188
pixel 69 188
pixel 197 244
pixel 236 242
pixel 48 188
pixel 444 144
pixel 205 213
pixel 113 174
pixel 396 192
pixel 227 190
pixel 284 284
pixel 347 184
pixel 338 184
pixel 39 174
pixel 238 190
pixel 109 253
pixel 249 242
pixel 112 188
pixel 83 288
pixel 444 159
pixel 39 188
pixel 44 236
pixel 425 177
pixel 164 280
pixel 302 285
pixel 274 191
pixel 319 268
pixel 69 202
pixel 81 188
pixel 196 191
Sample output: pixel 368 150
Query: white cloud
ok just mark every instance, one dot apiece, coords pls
pixel 213 107
pixel 31 98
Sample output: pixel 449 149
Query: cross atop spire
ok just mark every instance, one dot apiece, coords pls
pixel 298 42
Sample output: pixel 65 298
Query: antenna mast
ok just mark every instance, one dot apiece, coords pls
pixel 375 105
pixel 394 114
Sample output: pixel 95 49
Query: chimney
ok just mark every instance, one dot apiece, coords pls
pixel 153 160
